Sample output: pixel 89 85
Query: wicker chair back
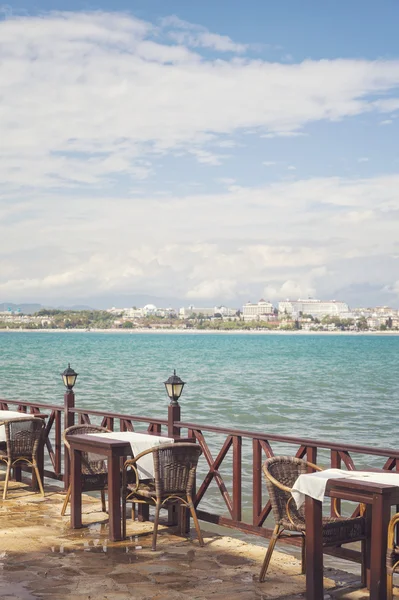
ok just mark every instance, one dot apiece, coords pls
pixel 23 437
pixel 284 470
pixel 174 468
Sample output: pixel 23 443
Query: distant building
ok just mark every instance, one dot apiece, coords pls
pixel 147 311
pixel 207 312
pixel 311 306
pixel 257 312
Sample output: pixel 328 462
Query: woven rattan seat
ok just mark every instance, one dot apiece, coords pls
pixel 94 467
pixel 23 438
pixel 281 472
pixel 392 554
pixel 174 472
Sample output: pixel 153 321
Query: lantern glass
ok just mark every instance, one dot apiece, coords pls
pixel 174 390
pixel 69 377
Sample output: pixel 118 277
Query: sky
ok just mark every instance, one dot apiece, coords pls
pixel 199 153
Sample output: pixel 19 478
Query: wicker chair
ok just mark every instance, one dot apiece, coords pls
pixel 174 472
pixel 392 554
pixel 94 467
pixel 281 472
pixel 23 437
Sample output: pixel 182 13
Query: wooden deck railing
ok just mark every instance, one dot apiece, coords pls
pixel 263 445
pixel 232 458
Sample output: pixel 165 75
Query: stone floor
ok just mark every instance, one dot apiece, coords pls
pixel 42 558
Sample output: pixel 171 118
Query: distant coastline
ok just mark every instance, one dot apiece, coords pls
pixel 206 331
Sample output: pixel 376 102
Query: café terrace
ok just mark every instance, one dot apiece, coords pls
pixel 115 506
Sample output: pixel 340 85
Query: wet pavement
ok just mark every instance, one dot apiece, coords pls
pixel 42 558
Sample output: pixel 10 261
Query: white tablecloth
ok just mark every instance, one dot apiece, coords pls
pixel 314 484
pixel 6 415
pixel 139 442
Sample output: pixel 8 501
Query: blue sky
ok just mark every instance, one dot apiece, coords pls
pixel 200 152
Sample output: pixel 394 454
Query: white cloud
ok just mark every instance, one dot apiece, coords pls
pixel 219 288
pixel 297 238
pixel 363 159
pixel 86 96
pixel 269 163
pixel 195 36
pixel 291 168
pixel 386 122
pixel 226 180
pixel 387 105
pixel 89 98
pixel 287 134
pixel 207 158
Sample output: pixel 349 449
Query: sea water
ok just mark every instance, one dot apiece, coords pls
pixel 327 387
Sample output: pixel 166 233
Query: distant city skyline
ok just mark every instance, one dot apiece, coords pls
pixel 30 307
pixel 199 153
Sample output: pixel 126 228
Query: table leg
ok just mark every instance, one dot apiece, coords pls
pixel 76 489
pixel 114 499
pixel 379 530
pixel 314 549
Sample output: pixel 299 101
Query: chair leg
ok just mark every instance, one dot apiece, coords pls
pixel 390 584
pixel 303 556
pixel 156 521
pixel 64 506
pixel 123 514
pixel 196 524
pixel 103 505
pixel 39 480
pixel 7 480
pixel 276 534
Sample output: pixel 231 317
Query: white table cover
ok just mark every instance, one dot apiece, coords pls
pixel 314 484
pixel 6 415
pixel 139 442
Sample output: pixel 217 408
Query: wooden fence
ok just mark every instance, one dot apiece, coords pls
pixel 232 458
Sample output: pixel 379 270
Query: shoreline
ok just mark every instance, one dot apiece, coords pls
pixel 203 332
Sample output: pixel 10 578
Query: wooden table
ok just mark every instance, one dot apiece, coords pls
pixel 113 449
pixel 379 498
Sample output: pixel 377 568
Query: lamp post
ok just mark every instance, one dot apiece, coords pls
pixel 174 387
pixel 69 378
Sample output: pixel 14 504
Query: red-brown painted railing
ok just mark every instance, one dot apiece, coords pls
pixel 340 455
pixel 222 447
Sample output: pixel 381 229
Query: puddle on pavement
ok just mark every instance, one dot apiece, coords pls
pixel 17 591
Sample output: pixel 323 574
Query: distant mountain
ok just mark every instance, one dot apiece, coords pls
pixel 29 309
pixel 102 302
pixel 74 307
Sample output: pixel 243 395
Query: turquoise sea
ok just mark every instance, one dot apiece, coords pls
pixel 335 387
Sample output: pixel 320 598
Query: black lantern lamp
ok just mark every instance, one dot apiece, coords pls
pixel 69 377
pixel 174 387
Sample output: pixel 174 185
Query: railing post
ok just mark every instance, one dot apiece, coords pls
pixel 69 419
pixel 173 416
pixel 173 432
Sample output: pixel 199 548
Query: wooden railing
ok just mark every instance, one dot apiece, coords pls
pixel 230 444
pixel 126 422
pixel 232 458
